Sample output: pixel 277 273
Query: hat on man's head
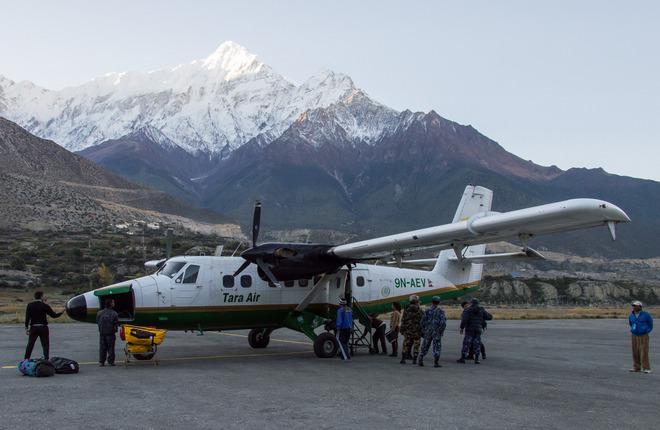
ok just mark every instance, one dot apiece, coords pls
pixel 474 300
pixel 435 299
pixel 414 298
pixel 637 303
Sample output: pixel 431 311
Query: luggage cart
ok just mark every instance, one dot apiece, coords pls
pixel 141 342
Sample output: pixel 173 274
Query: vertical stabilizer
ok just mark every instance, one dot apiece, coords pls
pixel 476 202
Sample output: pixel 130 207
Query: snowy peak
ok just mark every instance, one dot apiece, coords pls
pixel 213 105
pixel 233 59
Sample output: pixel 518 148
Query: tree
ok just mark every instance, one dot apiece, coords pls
pixel 105 275
pixel 16 263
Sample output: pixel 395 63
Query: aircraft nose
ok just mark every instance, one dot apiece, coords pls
pixel 76 308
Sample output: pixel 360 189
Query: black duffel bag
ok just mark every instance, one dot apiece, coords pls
pixel 64 365
pixel 44 368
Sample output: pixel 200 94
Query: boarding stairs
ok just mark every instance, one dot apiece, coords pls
pixel 361 334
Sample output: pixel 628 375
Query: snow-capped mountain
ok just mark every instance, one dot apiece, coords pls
pixel 213 105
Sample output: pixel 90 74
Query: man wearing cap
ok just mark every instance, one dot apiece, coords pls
pixel 344 327
pixel 641 324
pixel 411 328
pixel 472 322
pixel 433 327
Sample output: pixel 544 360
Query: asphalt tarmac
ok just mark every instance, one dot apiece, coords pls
pixel 553 374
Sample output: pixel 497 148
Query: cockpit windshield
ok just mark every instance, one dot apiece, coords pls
pixel 171 268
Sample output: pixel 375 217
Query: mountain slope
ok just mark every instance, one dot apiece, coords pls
pixel 44 186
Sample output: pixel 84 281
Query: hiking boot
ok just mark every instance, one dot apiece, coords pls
pixel 633 370
pixel 460 360
pixel 421 361
pixel 403 359
pixel 101 364
pixel 477 361
pixel 435 362
pixel 414 360
pixel 646 370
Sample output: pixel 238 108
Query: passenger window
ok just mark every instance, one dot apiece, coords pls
pixel 303 282
pixel 228 281
pixel 359 281
pixel 337 283
pixel 246 281
pixel 190 276
pixel 288 284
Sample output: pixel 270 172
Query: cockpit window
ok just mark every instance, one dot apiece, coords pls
pixel 171 268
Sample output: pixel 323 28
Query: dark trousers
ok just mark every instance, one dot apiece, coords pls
pixel 107 348
pixel 379 336
pixel 344 336
pixel 41 332
pixel 471 341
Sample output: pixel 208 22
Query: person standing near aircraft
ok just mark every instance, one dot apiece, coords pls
pixel 395 322
pixel 434 323
pixel 641 324
pixel 472 322
pixel 411 327
pixel 379 334
pixel 108 322
pixel 344 327
pixel 36 324
pixel 464 306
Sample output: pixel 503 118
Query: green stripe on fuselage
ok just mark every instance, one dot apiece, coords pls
pixel 262 316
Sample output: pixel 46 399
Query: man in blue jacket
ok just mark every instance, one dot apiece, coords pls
pixel 641 324
pixel 344 327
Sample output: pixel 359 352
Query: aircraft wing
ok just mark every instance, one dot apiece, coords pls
pixel 487 227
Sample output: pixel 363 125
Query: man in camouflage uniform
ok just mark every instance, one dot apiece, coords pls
pixel 411 328
pixel 433 327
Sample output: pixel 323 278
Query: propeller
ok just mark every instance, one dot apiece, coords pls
pixel 256 221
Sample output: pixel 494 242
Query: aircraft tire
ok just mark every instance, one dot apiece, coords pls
pixel 325 345
pixel 147 356
pixel 257 339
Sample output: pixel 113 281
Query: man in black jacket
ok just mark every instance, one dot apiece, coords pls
pixel 108 322
pixel 36 324
pixel 472 322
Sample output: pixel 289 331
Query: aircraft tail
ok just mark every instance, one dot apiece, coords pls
pixel 476 202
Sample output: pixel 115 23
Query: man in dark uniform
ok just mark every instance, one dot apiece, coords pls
pixel 108 322
pixel 36 323
pixel 472 322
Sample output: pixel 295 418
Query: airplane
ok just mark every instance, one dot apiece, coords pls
pixel 298 285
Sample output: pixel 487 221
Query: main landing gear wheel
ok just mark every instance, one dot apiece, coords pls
pixel 257 338
pixel 325 345
pixel 147 356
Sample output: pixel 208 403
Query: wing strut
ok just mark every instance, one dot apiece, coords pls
pixel 310 296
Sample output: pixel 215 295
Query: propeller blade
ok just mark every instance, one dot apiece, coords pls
pixel 263 266
pixel 256 220
pixel 240 269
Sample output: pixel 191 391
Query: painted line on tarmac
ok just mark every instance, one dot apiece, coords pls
pixel 298 342
pixel 201 357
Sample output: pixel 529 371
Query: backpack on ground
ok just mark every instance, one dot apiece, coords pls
pixel 27 367
pixel 65 365
pixel 44 368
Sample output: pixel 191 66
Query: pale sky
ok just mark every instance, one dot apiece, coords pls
pixel 571 83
